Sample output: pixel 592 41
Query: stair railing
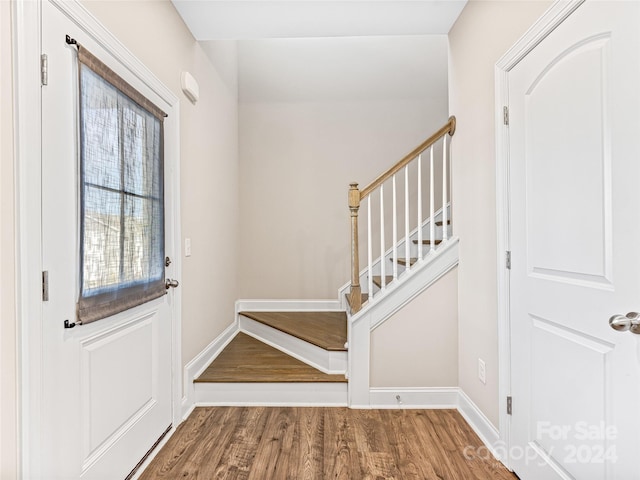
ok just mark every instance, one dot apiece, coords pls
pixel 357 196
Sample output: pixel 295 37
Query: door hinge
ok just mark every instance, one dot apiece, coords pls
pixel 505 115
pixel 509 406
pixel 45 286
pixel 44 69
pixel 508 260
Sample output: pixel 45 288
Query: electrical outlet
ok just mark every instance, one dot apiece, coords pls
pixel 482 371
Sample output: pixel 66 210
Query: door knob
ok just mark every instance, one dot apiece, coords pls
pixel 171 283
pixel 622 323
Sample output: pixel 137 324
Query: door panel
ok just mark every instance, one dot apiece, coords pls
pixel 575 227
pixel 570 240
pixel 107 384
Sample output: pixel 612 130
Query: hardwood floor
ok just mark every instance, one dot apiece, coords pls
pixel 295 443
pixel 246 359
pixel 326 330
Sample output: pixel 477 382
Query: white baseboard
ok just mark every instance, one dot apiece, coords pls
pixel 195 367
pixel 479 423
pixel 248 305
pixel 422 397
pixel 330 362
pixel 271 394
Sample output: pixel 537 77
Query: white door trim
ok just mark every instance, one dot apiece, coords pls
pixel 548 22
pixel 27 122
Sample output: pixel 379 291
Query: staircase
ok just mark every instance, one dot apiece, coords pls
pixel 280 357
pixel 317 353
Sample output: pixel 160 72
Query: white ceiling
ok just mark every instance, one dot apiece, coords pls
pixel 245 19
pixel 344 69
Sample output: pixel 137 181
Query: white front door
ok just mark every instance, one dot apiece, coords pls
pixel 106 392
pixel 574 131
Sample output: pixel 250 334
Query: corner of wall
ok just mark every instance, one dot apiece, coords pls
pixel 482 34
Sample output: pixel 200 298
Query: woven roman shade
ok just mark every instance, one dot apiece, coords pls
pixel 121 193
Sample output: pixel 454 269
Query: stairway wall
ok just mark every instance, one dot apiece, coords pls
pixel 418 346
pixel 483 33
pixel 316 114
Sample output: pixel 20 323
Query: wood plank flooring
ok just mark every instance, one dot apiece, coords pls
pixel 295 443
pixel 326 330
pixel 246 359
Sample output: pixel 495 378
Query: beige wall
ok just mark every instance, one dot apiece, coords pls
pixel 315 115
pixel 8 392
pixel 418 345
pixel 483 33
pixel 155 33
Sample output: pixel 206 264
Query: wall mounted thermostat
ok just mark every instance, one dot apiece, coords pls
pixel 190 87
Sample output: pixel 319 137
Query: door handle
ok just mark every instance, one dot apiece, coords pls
pixel 622 323
pixel 171 283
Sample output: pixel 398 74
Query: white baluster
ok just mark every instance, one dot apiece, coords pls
pixel 432 201
pixel 420 206
pixel 369 248
pixel 444 189
pixel 395 231
pixel 407 251
pixel 383 278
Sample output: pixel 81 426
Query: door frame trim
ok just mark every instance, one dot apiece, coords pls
pixel 549 21
pixel 26 21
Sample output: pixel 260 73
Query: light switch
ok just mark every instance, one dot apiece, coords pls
pixel 187 247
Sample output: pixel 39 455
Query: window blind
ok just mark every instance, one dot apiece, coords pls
pixel 121 193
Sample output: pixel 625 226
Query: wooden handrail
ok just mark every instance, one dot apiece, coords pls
pixel 449 127
pixel 356 196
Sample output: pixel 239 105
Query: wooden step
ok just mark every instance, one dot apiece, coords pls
pixel 364 296
pixel 428 242
pixel 403 261
pixel 247 360
pixel 377 280
pixel 327 330
pixel 439 223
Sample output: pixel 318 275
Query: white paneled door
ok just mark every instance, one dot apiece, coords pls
pixel 574 131
pixel 106 391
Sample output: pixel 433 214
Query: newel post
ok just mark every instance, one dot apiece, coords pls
pixel 355 295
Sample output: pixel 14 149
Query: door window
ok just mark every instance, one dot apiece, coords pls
pixel 121 194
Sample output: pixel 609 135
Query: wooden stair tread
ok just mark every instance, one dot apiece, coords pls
pixel 326 330
pixel 403 261
pixel 247 360
pixel 439 223
pixel 364 296
pixel 377 280
pixel 428 242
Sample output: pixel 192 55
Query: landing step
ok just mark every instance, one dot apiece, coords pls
pixel 377 280
pixel 428 242
pixel 247 360
pixel 327 330
pixel 439 223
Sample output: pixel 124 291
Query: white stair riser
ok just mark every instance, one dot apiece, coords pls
pixel 326 361
pixel 271 394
